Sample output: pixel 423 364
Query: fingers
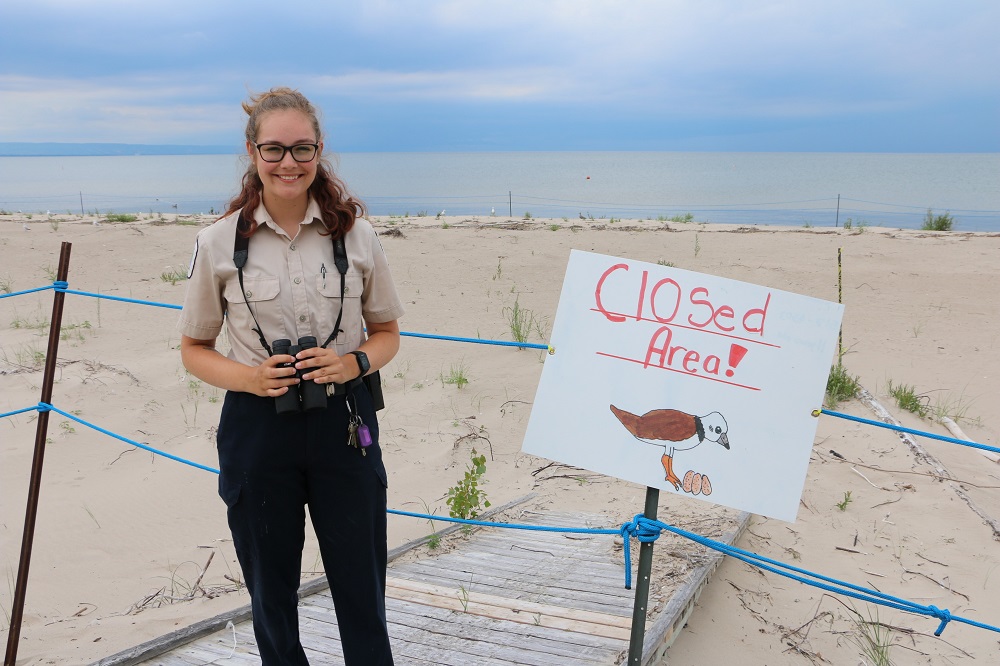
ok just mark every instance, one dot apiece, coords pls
pixel 321 365
pixel 273 377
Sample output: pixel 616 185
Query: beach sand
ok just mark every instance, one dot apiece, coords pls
pixel 120 531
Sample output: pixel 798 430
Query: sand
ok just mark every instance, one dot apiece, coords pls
pixel 120 530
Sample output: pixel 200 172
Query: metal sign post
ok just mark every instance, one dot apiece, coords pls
pixel 642 587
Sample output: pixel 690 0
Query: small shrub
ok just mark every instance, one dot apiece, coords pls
pixel 120 217
pixel 934 222
pixel 465 499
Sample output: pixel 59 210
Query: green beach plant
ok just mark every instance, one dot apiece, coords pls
pixel 933 222
pixel 873 638
pixel 466 499
pixel 522 322
pixel 906 397
pixel 840 386
pixel 456 375
pixel 173 275
pixel 120 217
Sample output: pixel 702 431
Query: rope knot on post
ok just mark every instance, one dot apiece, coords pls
pixel 943 615
pixel 44 407
pixel 643 529
pixel 60 285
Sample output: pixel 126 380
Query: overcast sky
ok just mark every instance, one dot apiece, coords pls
pixel 763 75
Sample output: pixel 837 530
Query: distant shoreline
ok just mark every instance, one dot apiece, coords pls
pixel 15 149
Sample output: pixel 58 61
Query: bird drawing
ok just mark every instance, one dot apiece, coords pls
pixel 681 432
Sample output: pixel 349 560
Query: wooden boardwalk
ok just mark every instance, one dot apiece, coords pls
pixel 498 597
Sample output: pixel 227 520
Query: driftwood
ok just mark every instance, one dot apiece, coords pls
pixel 923 456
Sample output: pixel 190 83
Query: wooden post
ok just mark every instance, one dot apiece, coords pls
pixel 510 204
pixel 838 212
pixel 41 431
pixel 840 299
pixel 642 585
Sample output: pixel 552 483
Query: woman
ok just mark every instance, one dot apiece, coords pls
pixel 293 210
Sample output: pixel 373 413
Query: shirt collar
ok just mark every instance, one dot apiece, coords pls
pixel 313 214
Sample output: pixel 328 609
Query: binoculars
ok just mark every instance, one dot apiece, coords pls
pixel 305 396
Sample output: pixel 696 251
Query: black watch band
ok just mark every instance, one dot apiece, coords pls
pixel 363 363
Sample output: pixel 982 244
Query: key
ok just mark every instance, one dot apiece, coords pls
pixel 352 433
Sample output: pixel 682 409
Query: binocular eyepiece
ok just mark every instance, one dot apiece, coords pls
pixel 305 396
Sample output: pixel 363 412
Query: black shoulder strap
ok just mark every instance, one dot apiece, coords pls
pixel 340 260
pixel 241 250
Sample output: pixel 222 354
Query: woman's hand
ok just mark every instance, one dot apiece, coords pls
pixel 324 366
pixel 270 380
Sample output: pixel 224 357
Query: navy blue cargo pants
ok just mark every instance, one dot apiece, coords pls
pixel 272 466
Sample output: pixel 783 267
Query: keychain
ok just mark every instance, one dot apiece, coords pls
pixel 358 434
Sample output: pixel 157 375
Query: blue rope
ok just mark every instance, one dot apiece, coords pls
pixel 26 291
pixel 478 341
pixel 46 407
pixel 63 287
pixel 19 411
pixel 930 435
pixel 116 298
pixel 645 526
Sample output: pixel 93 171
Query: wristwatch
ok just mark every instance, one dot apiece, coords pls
pixel 362 362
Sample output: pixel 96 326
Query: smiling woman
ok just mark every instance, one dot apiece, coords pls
pixel 291 408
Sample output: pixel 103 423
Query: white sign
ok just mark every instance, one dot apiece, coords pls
pixel 686 382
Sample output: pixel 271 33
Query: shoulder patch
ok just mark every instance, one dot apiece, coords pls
pixel 194 258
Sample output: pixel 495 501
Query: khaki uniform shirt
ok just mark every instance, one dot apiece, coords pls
pixel 292 285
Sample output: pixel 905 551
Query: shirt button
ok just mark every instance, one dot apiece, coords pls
pixel 347 290
pixel 249 294
pixel 292 247
pixel 297 280
pixel 302 317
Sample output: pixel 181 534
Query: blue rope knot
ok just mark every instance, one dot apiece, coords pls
pixel 60 285
pixel 943 615
pixel 44 407
pixel 643 529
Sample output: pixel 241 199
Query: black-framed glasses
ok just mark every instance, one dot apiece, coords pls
pixel 275 152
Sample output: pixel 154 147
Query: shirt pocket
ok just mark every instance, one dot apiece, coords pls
pixel 351 324
pixel 261 293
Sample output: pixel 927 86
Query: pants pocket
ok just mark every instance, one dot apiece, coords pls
pixel 229 491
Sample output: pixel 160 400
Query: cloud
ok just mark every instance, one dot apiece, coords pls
pixel 127 111
pixel 155 70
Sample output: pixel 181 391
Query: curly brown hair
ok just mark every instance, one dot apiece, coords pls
pixel 339 207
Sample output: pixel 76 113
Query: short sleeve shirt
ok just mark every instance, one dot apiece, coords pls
pixel 292 286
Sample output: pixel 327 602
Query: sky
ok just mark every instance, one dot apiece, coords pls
pixel 685 75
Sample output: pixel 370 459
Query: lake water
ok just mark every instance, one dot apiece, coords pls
pixel 793 189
